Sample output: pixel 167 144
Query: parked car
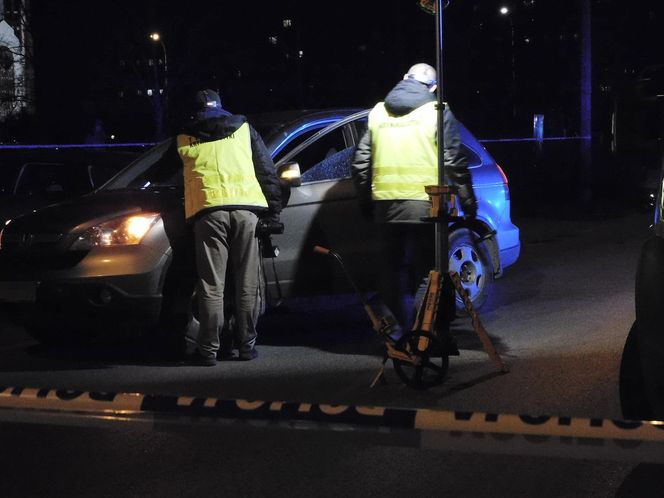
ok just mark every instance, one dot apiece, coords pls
pixel 642 362
pixel 31 178
pixel 107 253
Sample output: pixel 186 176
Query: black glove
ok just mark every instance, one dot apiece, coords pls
pixel 269 224
pixel 468 201
pixel 469 207
pixel 270 217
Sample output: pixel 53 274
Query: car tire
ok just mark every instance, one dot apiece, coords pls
pixel 472 261
pixel 633 400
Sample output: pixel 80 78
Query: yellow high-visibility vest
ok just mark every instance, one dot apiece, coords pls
pixel 404 153
pixel 219 173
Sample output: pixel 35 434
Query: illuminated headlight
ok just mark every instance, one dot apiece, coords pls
pixel 123 231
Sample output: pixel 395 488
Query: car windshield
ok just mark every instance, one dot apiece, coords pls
pixel 8 173
pixel 160 167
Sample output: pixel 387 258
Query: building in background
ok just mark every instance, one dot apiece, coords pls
pixel 16 81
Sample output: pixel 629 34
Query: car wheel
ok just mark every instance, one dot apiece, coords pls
pixel 473 264
pixel 633 401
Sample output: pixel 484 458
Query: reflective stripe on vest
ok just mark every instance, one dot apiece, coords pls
pixel 219 173
pixel 403 151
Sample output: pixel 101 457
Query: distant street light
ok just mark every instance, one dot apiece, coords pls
pixel 505 11
pixel 156 37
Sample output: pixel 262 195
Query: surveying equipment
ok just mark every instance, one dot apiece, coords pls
pixel 418 367
pixel 264 232
pixel 421 356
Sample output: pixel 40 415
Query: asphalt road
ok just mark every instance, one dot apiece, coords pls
pixel 42 461
pixel 559 319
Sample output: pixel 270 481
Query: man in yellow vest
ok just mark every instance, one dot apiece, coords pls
pixel 395 159
pixel 229 182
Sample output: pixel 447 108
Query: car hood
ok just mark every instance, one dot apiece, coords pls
pixel 12 207
pixel 96 207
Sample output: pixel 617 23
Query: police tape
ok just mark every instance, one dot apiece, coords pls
pixel 437 428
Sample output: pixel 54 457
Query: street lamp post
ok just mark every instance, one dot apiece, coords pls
pixel 505 12
pixel 161 102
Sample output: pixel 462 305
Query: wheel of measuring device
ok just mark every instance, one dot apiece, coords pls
pixel 431 361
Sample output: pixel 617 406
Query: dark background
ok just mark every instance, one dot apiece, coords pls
pixel 87 53
pixel 94 65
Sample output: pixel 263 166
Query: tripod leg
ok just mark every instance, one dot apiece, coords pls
pixel 380 376
pixel 477 324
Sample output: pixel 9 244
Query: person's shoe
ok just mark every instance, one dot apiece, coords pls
pixel 225 352
pixel 197 359
pixel 225 355
pixel 248 355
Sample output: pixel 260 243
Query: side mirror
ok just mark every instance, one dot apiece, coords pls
pixel 289 174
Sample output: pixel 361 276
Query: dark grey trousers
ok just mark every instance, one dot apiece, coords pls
pixel 226 241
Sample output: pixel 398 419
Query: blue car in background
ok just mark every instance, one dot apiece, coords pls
pixel 69 267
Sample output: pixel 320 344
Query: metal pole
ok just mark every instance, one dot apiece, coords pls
pixel 163 47
pixel 442 243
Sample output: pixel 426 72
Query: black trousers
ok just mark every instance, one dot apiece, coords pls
pixel 407 252
pixel 407 256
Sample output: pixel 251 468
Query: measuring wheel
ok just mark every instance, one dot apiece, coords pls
pixel 425 362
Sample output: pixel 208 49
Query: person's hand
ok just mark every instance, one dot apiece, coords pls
pixel 270 218
pixel 269 224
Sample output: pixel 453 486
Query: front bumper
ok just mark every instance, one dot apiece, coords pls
pixel 108 284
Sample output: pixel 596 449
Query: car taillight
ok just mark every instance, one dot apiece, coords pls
pixel 504 177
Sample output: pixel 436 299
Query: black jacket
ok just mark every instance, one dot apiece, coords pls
pixel 208 130
pixel 406 96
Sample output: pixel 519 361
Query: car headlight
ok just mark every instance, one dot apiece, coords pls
pixel 122 231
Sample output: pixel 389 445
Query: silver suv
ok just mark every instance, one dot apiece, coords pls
pixel 97 265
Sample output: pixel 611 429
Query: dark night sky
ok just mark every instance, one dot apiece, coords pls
pixel 354 51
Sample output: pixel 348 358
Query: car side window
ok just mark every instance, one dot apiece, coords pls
pixel 325 159
pixel 332 167
pixel 295 142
